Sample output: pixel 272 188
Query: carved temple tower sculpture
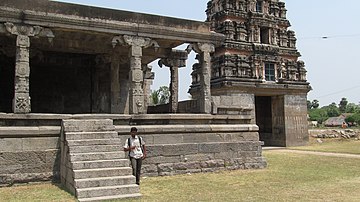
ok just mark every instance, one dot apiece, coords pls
pixel 259 58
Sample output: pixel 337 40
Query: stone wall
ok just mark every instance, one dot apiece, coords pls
pixel 29 154
pixel 296 124
pixel 176 143
pixel 179 149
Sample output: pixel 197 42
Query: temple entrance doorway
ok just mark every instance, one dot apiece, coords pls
pixel 270 117
pixel 264 118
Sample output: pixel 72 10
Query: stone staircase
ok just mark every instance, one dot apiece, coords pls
pixel 94 166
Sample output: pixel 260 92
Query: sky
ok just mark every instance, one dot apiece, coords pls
pixel 328 33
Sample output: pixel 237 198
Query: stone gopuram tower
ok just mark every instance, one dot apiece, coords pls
pixel 258 63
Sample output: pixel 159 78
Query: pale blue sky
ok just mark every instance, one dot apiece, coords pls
pixel 332 63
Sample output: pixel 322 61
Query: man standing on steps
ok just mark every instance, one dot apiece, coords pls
pixel 137 152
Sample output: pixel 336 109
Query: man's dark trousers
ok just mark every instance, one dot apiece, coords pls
pixel 136 167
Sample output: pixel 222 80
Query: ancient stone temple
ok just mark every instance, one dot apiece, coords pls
pixel 74 79
pixel 259 60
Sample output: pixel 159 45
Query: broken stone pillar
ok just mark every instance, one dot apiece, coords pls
pixel 175 60
pixel 22 100
pixel 204 50
pixel 148 80
pixel 136 91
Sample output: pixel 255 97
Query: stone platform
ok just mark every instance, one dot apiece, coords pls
pixel 176 143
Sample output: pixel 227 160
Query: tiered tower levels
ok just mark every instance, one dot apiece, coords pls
pixel 258 46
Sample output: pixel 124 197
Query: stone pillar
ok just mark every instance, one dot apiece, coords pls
pixel 22 100
pixel 136 91
pixel 115 84
pixel 204 50
pixel 176 60
pixel 148 81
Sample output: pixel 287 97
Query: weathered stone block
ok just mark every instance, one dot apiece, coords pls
pixel 195 138
pixel 198 157
pixel 149 168
pixel 162 159
pixel 180 149
pixel 73 125
pixel 219 137
pixel 168 139
pixel 210 148
pixel 166 168
pixel 245 136
pixel 40 144
pixel 10 145
pixel 213 163
pixel 224 155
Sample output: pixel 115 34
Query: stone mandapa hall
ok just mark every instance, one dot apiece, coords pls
pixel 74 79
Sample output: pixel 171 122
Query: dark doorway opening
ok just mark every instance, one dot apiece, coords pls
pixel 264 118
pixel 7 74
pixel 61 83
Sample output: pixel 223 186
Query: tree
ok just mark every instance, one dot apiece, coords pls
pixel 154 97
pixel 332 110
pixel 352 108
pixel 164 94
pixel 355 118
pixel 160 96
pixel 312 104
pixel 315 104
pixel 309 105
pixel 342 105
pixel 319 115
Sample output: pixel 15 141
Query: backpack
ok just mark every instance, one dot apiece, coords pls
pixel 141 146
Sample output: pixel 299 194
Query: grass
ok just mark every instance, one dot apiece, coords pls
pixel 289 177
pixel 332 145
pixel 35 192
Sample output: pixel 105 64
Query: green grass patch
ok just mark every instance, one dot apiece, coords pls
pixel 35 192
pixel 289 177
pixel 333 145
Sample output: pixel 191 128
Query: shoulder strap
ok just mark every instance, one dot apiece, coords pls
pixel 128 140
pixel 141 146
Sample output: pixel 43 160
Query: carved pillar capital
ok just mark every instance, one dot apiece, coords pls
pixel 29 31
pixel 135 42
pixel 201 48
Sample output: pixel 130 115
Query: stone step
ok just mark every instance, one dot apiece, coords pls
pixel 106 198
pixel 107 191
pixel 95 148
pixel 93 156
pixel 94 142
pixel 79 125
pixel 78 165
pixel 102 172
pixel 105 181
pixel 91 135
